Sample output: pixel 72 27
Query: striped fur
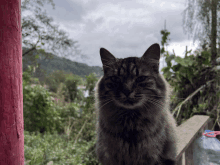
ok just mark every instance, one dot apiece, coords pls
pixel 134 124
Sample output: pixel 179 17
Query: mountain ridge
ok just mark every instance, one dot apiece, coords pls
pixel 61 63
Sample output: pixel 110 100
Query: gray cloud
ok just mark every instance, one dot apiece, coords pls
pixel 66 10
pixel 125 28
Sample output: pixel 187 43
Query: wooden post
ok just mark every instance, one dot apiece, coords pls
pixel 11 97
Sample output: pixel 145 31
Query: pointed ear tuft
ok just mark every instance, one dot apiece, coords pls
pixel 152 57
pixel 106 57
pixel 153 52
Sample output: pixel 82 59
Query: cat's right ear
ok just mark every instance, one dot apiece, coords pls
pixel 106 57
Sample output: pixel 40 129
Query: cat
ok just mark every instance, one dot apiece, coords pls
pixel 134 123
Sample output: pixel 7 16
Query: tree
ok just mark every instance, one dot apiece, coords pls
pixel 11 98
pixel 214 31
pixel 198 21
pixel 43 32
pixel 42 39
pixel 41 35
pixel 165 35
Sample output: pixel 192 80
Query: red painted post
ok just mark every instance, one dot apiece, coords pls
pixel 11 97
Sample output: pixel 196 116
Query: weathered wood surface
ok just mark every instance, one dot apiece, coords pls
pixel 187 133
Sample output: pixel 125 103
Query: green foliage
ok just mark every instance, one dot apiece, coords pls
pixel 72 82
pixel 68 128
pixel 165 35
pixel 39 30
pixel 91 82
pixel 90 85
pixel 68 84
pixel 190 78
pixel 38 109
pixel 69 66
pixel 49 63
pixel 39 113
pixel 41 149
pixel 61 94
pixel 184 69
pixel 54 79
pixel 27 78
pixel 186 76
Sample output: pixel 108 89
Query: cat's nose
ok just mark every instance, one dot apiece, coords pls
pixel 127 93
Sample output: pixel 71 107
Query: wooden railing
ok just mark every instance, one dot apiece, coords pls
pixel 187 133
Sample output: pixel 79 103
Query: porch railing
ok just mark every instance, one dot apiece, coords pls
pixel 187 133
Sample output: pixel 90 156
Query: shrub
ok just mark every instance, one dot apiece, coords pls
pixel 73 93
pixel 39 112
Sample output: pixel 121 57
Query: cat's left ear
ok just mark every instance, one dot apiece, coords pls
pixel 153 52
pixel 152 56
pixel 106 57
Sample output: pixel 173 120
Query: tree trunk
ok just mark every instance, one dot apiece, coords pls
pixel 11 97
pixel 214 32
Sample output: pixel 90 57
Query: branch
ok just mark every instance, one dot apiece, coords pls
pixel 80 132
pixel 34 47
pixel 178 107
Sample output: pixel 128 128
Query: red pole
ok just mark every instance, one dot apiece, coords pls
pixel 11 97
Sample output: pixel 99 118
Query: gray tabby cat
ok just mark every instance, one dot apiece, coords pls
pixel 135 126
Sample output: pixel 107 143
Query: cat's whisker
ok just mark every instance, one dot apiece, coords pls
pixel 143 94
pixel 144 104
pixel 162 96
pixel 155 103
pixel 99 101
pixel 110 100
pixel 158 101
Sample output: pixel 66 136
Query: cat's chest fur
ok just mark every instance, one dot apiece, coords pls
pixel 135 146
pixel 132 139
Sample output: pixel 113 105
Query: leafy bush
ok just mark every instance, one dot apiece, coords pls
pixel 54 79
pixel 27 78
pixel 69 128
pixel 191 79
pixel 39 112
pixel 72 82
pixel 90 85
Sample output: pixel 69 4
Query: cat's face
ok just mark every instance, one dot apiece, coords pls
pixel 132 82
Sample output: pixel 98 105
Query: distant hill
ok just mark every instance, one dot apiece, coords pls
pixel 60 63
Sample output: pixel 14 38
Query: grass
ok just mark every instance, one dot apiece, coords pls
pixel 56 149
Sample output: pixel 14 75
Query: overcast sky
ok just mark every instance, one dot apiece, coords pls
pixel 125 28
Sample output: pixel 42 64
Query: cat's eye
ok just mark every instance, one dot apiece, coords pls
pixel 115 79
pixel 110 85
pixel 143 84
pixel 141 78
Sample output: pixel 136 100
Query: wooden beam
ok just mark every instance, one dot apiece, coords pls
pixel 189 131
